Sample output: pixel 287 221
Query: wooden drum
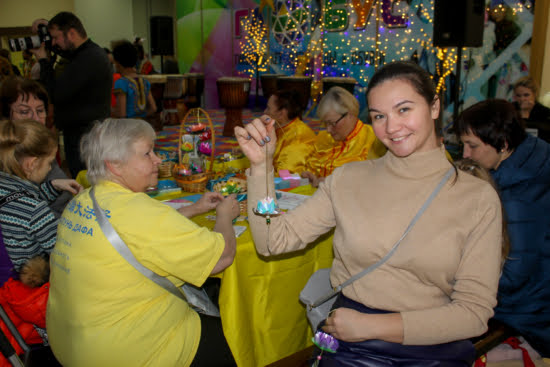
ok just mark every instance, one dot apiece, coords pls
pixel 195 89
pixel 269 84
pixel 301 84
pixel 233 95
pixel 344 82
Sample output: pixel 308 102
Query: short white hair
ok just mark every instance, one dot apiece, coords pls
pixel 111 140
pixel 339 100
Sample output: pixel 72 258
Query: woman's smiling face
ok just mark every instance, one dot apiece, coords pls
pixel 402 118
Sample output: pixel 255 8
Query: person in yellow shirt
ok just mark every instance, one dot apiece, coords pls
pixel 103 312
pixel 294 137
pixel 346 139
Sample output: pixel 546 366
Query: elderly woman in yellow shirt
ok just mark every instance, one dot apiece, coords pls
pixel 294 137
pixel 346 139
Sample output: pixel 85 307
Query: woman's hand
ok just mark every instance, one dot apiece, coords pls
pixel 313 180
pixel 353 326
pixel 209 201
pixel 345 324
pixel 228 208
pixel 69 185
pixel 253 140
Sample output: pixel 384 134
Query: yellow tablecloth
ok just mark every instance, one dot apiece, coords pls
pixel 235 165
pixel 262 318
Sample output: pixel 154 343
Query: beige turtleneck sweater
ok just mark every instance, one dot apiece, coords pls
pixel 443 278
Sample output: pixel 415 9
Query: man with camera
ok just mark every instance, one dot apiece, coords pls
pixel 81 90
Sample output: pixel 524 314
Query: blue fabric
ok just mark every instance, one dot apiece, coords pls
pixel 136 90
pixel 524 290
pixel 378 353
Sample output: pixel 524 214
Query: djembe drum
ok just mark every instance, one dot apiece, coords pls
pixel 173 105
pixel 269 84
pixel 195 89
pixel 301 84
pixel 233 96
pixel 347 83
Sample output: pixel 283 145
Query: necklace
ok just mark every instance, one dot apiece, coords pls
pixel 266 207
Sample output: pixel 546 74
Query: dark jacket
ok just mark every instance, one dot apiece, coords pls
pixel 81 93
pixel 524 290
pixel 539 118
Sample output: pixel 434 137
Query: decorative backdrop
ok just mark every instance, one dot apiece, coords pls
pixel 349 38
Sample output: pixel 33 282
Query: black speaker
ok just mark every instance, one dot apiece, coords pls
pixel 458 23
pixel 162 35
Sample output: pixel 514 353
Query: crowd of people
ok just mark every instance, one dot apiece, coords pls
pixel 479 251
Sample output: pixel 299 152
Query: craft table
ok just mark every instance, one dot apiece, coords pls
pixel 262 318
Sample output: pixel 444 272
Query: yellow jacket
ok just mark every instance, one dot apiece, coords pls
pixel 359 145
pixel 294 146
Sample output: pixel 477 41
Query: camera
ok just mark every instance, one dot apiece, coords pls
pixel 25 43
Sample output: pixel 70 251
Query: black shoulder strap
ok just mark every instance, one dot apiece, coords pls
pixel 13 196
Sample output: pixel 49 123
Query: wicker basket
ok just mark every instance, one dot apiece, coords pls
pixel 165 169
pixel 192 183
pixel 196 182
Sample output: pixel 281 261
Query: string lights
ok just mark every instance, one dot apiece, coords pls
pixel 254 45
pixel 342 38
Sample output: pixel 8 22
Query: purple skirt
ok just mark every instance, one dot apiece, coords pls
pixel 378 353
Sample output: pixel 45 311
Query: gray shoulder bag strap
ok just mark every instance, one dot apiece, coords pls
pixel 124 251
pixel 338 289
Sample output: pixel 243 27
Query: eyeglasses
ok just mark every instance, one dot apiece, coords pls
pixel 28 113
pixel 333 124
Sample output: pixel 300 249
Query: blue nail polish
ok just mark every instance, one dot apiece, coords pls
pixel 248 137
pixel 262 143
pixel 267 139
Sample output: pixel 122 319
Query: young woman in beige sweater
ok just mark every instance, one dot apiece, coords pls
pixel 439 288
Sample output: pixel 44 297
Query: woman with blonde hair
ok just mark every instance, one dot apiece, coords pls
pixel 29 227
pixel 346 139
pixel 535 115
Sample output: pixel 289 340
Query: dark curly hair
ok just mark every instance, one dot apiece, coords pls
pixel 125 53
pixel 494 121
pixel 289 99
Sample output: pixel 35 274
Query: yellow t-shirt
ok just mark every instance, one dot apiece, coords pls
pixel 294 146
pixel 359 145
pixel 101 310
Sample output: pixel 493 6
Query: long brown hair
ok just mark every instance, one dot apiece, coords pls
pixel 471 167
pixel 26 138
